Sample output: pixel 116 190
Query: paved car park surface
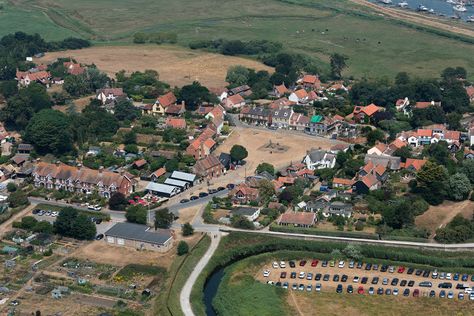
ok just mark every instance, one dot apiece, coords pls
pixel 368 279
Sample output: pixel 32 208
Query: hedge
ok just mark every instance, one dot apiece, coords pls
pixel 315 231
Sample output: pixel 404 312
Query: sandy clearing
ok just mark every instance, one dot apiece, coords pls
pixel 440 215
pixel 176 66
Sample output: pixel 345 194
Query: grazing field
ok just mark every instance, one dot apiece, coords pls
pixel 378 44
pixel 175 65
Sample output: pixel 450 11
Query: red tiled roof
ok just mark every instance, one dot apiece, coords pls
pixel 398 143
pixel 298 218
pixel 422 105
pixel 452 135
pixel 342 181
pixel 176 123
pixel 140 163
pixel 368 167
pixel 470 91
pixel 281 89
pixel 158 173
pixel 301 93
pixel 209 143
pixel 310 79
pixel 369 180
pixel 415 163
pixel 380 170
pixel 167 99
pixel 370 109
pixel 424 133
pixel 234 99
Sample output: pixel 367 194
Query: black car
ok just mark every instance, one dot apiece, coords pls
pixel 184 201
pixel 359 265
pixel 293 275
pixel 368 266
pixel 339 288
pixel 388 292
pixel 192 198
pixel 350 289
pixel 318 277
pixel 384 268
pixel 380 291
pixel 335 278
pixel 203 194
pixel 364 280
pixel 220 189
pixel 394 282
pixel 98 221
pixel 464 277
pixel 324 264
pixel 418 272
pixel 406 292
pixel 445 285
pixel 292 264
pixel 230 186
pixel 411 283
pixel 403 282
pixel 410 271
pixel 326 277
pixel 426 273
pixel 99 237
pixel 375 280
pixel 375 267
pixel 472 278
pixel 459 286
pixel 432 293
pixel 35 211
pixel 278 283
pixel 212 191
pixel 344 278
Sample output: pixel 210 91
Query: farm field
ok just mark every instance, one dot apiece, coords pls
pixel 377 45
pixel 175 65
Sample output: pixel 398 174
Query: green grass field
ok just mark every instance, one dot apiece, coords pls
pixel 376 46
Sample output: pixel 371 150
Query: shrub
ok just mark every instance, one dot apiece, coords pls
pixel 183 248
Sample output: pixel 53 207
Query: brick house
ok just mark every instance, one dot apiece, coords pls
pixel 209 167
pixel 243 194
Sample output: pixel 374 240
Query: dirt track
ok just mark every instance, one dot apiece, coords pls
pixel 413 17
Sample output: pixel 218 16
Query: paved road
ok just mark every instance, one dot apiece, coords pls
pixel 188 286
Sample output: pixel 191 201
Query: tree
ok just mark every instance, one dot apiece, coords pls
pixel 65 221
pixel 163 218
pixel 338 63
pixel 404 153
pixel 237 75
pixel 28 222
pixel 49 132
pixel 239 221
pixel 454 121
pixel 238 153
pixel 458 187
pixel 129 138
pixel 136 214
pixel 402 78
pixel 266 190
pixel 118 201
pixel 124 110
pixel 17 198
pixel 187 229
pixel 183 248
pixel 83 228
pixel 43 227
pixel 375 135
pixel 265 166
pixel 352 252
pixel 431 181
pixel 194 94
pixel 11 187
pixel 172 165
pixel 468 169
pixel 140 38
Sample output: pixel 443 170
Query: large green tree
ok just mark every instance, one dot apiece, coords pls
pixel 338 63
pixel 238 153
pixel 50 133
pixel 237 75
pixel 458 187
pixel 136 214
pixel 194 94
pixel 163 218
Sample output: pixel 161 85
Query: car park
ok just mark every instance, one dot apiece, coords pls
pixel 318 287
pixel 380 291
pixel 335 278
pixel 344 278
pixel 432 293
pixel 292 264
pixel 326 277
pixel 403 282
pixel 309 276
pixel 406 292
pixel 314 263
pixel 266 273
pixel 388 291
pixel 302 275
pixel 360 290
pixel 375 280
pixel 411 283
pixel 394 282
pixel 416 293
pixel 425 284
pixel 293 275
pixel 395 292
pixel 364 280
pixel 283 275
pixel 318 276
pixel 350 289
pixel 339 288
pixel 371 290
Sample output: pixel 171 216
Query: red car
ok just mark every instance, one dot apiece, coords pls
pixel 282 275
pixel 314 263
pixel 401 269
pixel 302 263
pixel 360 290
pixel 416 293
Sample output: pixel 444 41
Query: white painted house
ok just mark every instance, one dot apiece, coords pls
pixel 319 159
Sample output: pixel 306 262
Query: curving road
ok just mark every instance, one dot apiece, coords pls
pixel 184 297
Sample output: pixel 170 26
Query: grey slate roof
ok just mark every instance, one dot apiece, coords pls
pixel 282 114
pixel 175 182
pixel 245 211
pixel 183 176
pixel 139 232
pixel 392 163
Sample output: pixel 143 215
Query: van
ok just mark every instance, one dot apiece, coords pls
pixel 425 284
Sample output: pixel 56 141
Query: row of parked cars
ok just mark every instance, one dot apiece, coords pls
pixel 229 186
pixel 382 268
pixel 40 212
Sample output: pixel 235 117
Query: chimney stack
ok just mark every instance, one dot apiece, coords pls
pixel 79 166
pixel 57 163
pixel 101 169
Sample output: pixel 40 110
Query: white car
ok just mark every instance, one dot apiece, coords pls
pixel 282 264
pixel 266 273
pixel 302 274
pixel 275 265
pixel 318 287
pixel 395 291
pixel 356 279
pixel 468 290
pixel 341 264
pixel 448 276
pixel 471 297
pixel 3 198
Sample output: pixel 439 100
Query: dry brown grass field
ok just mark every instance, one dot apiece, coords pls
pixel 176 66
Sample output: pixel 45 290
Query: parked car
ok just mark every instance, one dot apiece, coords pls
pixel 460 296
pixel 283 275
pixel 401 269
pixel 403 282
pixel 359 265
pixel 301 287
pixel 302 263
pixel 350 289
pixel 432 293
pixel 318 276
pixel 450 294
pixel 351 264
pixel 335 278
pixel 294 286
pixel 375 280
pixel 332 263
pixel 293 275
pixel 434 275
pixel 292 264
pixel 341 264
pixel 388 291
pixel 282 264
pixel 384 268
pixel 426 273
pixel 314 263
pixel 275 265
pixel 394 282
pixel 99 237
pixel 309 276
pixel 380 291
pixel 391 269
pixel 406 292
pixel 266 273
pixel 416 293
pixel 339 288
pixel 344 278
pixel 442 294
pixel 285 285
pixel 410 270
pixel 418 272
pixel 368 266
pixel 395 291
pixel 360 290
pixel 364 280
pixel 375 267
pixel 464 277
pixel 326 277
pixel 184 201
pixel 309 288
pixel 203 194
pixel 355 279
pixel 371 290
pixel 411 283
pixel 324 264
pixel 302 275
pixel 425 284
pixel 456 277
pixel 445 285
pixel 385 281
pixel 220 189
pixel 192 198
pixel 230 186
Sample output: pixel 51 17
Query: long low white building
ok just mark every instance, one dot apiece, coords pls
pixel 160 189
